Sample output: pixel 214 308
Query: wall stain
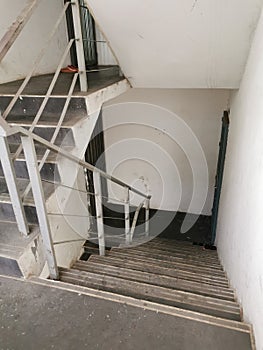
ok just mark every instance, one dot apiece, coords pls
pixel 194 5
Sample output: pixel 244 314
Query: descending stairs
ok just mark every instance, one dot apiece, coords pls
pixel 173 273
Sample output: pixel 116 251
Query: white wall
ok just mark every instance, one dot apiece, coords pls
pixel 20 58
pixel 239 236
pixel 162 141
pixel 179 44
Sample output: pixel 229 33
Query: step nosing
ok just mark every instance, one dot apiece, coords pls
pixel 191 296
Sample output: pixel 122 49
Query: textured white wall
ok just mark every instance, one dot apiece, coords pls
pixel 162 140
pixel 239 236
pixel 179 44
pixel 20 58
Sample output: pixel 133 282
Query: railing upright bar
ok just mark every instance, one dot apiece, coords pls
pixel 39 199
pixel 58 126
pixel 135 219
pixel 99 211
pixel 79 46
pixel 36 63
pixel 127 215
pixel 147 217
pixel 10 178
pixel 47 96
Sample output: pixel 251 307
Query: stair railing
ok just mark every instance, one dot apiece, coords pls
pixel 28 141
pixel 81 74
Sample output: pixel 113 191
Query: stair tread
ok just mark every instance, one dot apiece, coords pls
pixel 202 258
pixel 200 303
pixel 40 151
pixel 196 250
pixel 168 262
pixel 22 184
pixel 157 279
pixel 177 272
pixel 45 121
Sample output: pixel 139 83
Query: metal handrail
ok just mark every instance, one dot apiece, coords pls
pixel 16 27
pixel 11 130
pixel 28 139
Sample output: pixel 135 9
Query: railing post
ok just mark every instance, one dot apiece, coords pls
pixel 79 46
pixel 10 178
pixel 99 211
pixel 147 216
pixel 127 215
pixel 39 199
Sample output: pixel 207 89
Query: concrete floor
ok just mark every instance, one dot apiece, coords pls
pixel 39 317
pixel 38 85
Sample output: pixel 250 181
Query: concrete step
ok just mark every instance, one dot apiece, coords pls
pixel 6 208
pixel 201 257
pixel 48 188
pixel 189 301
pixel 7 212
pixel 176 272
pixel 64 138
pixel 20 256
pixel 26 108
pixel 49 170
pixel 167 261
pixel 156 279
pixel 194 250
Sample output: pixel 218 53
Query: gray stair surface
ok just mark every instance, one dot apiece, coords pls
pixel 165 272
pixel 23 114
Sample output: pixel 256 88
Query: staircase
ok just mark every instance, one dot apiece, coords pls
pixel 23 115
pixel 165 272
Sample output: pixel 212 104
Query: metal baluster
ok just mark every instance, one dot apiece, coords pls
pixel 11 181
pixel 40 203
pixel 99 211
pixel 127 215
pixel 147 216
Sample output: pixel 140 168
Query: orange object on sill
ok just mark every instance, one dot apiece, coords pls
pixel 69 69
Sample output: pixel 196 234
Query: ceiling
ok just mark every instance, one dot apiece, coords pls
pixel 179 43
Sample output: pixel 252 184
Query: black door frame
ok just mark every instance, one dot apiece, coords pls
pixel 219 173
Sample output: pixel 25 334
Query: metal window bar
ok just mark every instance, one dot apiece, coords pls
pixel 79 46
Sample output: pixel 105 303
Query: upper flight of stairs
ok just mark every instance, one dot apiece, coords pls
pixel 166 272
pixel 23 114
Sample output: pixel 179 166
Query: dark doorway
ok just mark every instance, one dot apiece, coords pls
pixel 219 173
pixel 95 156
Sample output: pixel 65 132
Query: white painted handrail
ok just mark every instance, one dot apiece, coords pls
pixel 16 27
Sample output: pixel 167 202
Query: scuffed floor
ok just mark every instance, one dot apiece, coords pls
pixel 38 317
